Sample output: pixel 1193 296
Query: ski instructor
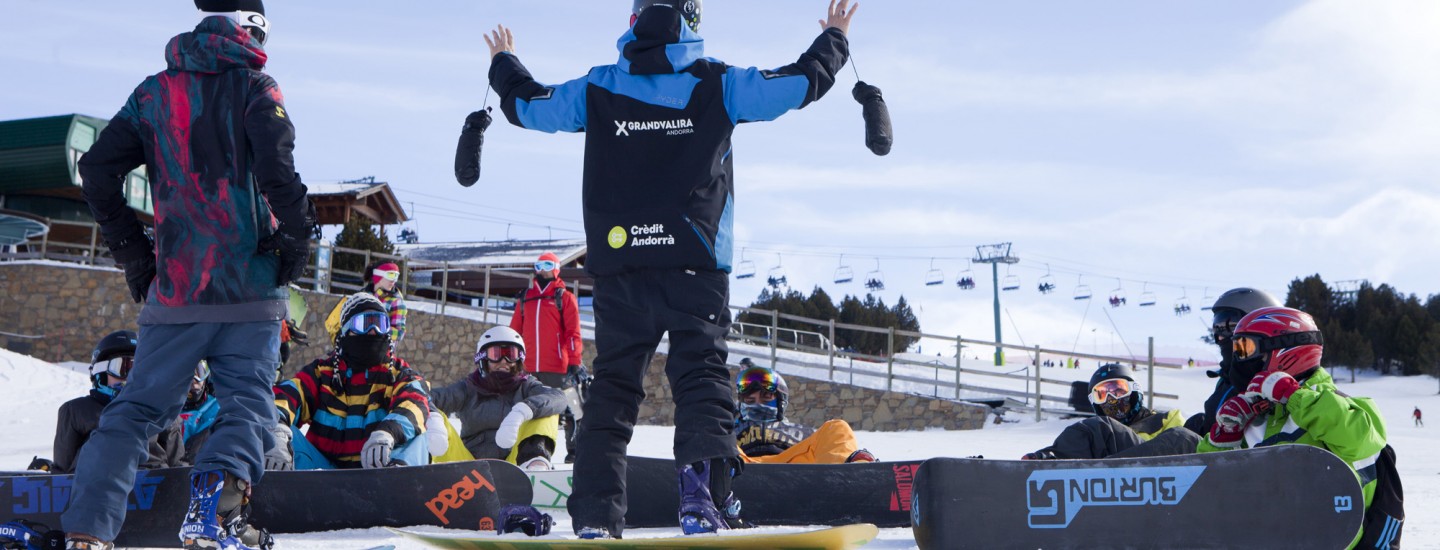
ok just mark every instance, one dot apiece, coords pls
pixel 658 206
pixel 214 136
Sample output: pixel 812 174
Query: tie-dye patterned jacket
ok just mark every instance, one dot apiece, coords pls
pixel 216 141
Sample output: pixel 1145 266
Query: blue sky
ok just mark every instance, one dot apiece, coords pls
pixel 1179 148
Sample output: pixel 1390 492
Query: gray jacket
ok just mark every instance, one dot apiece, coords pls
pixel 480 411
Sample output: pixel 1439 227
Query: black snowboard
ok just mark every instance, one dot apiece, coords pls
pixel 783 494
pixel 458 495
pixel 1288 496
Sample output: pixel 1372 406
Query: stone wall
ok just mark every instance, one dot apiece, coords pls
pixel 72 306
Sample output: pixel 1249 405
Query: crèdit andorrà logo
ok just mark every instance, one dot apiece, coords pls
pixel 617 237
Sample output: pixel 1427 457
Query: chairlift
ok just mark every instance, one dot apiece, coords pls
pixel 746 268
pixel 1117 296
pixel 1082 290
pixel 1182 306
pixel 966 279
pixel 934 276
pixel 1011 282
pixel 777 274
pixel 875 280
pixel 1047 282
pixel 843 274
pixel 1147 298
pixel 1207 301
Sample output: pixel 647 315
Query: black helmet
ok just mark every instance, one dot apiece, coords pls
pixel 689 10
pixel 1125 409
pixel 1234 304
pixel 120 343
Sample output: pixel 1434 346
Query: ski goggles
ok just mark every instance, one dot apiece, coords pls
pixel 1250 346
pixel 1223 326
pixel 1118 388
pixel 246 19
pixel 369 322
pixel 501 352
pixel 546 265
pixel 756 379
pixel 119 365
pixel 391 276
pixel 202 371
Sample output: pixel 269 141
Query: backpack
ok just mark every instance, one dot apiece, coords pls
pixel 1386 515
pixel 559 303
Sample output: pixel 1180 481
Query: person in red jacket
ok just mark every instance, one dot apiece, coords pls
pixel 548 318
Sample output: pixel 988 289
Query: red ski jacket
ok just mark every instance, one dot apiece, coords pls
pixel 551 331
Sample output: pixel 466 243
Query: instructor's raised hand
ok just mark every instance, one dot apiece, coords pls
pixel 838 16
pixel 502 40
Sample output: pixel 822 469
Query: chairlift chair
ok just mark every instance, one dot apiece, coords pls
pixel 1117 296
pixel 966 279
pixel 777 274
pixel 1147 298
pixel 1046 284
pixel 934 276
pixel 1082 290
pixel 1182 306
pixel 1011 282
pixel 843 274
pixel 875 280
pixel 1207 301
pixel 746 268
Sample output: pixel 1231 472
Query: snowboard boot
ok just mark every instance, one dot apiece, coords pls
pixel 862 455
pixel 216 519
pixel 593 533
pixel 700 484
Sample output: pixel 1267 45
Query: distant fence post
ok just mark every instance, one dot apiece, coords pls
pixel 1150 385
pixel 774 339
pixel 485 317
pixel 830 376
pixel 1038 393
pixel 957 366
pixel 94 235
pixel 444 287
pixel 890 360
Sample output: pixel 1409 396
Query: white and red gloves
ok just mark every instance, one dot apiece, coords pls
pixel 1231 419
pixel 1273 386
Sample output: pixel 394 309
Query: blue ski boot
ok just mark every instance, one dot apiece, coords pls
pixel 216 519
pixel 698 508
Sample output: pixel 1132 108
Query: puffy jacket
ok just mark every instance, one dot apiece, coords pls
pixel 657 185
pixel 343 405
pixel 216 141
pixel 1319 415
pixel 79 417
pixel 481 411
pixel 551 334
pixel 197 424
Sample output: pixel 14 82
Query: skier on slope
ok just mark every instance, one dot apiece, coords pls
pixel 766 437
pixel 366 407
pixel 1292 399
pixel 1229 308
pixel 110 366
pixel 548 317
pixel 1122 426
pixel 658 208
pixel 504 412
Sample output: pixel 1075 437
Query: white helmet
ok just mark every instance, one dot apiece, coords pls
pixel 498 335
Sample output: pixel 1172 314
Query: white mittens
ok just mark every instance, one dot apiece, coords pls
pixel 510 427
pixel 376 452
pixel 436 432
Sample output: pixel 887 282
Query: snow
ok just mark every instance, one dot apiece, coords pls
pixel 37 388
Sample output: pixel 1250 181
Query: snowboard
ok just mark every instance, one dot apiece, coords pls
pixel 834 538
pixel 770 494
pixel 1287 496
pixel 460 495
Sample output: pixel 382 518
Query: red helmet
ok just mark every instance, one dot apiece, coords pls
pixel 1286 339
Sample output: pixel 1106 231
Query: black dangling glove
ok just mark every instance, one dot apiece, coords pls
pixel 136 255
pixel 467 150
pixel 292 241
pixel 878 134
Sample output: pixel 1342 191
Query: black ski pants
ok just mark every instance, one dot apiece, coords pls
pixel 632 312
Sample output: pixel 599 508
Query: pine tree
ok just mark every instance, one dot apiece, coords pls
pixel 360 234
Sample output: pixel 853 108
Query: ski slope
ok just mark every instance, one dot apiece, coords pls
pixel 35 389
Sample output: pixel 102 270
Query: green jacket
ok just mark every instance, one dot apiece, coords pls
pixel 1320 416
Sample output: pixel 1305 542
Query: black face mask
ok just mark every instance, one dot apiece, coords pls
pixel 1242 371
pixel 365 350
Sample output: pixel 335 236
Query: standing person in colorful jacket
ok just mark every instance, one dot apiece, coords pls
pixel 382 280
pixel 548 318
pixel 658 208
pixel 216 141
pixel 366 408
pixel 1293 400
pixel 1122 425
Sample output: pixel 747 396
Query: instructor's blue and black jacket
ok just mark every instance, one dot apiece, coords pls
pixel 658 184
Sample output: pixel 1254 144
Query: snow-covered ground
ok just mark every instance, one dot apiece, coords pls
pixel 35 389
